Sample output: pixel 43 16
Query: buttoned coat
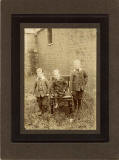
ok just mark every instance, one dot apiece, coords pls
pixel 78 80
pixel 41 87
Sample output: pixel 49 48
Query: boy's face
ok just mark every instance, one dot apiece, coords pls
pixel 39 70
pixel 56 74
pixel 77 65
pixel 40 74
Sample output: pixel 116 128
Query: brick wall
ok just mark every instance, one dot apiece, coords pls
pixel 68 45
pixel 29 41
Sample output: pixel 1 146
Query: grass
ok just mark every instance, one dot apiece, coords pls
pixel 84 119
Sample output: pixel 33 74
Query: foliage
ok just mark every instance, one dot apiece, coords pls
pixel 84 119
pixel 33 57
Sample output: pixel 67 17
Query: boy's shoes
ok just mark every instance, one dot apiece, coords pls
pixel 56 106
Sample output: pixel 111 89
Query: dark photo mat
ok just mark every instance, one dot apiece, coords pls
pixel 17 136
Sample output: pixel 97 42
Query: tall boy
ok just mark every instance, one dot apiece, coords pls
pixel 78 81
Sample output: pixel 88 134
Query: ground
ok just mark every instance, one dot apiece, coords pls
pixel 84 119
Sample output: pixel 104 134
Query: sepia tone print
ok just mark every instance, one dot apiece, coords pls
pixel 60 78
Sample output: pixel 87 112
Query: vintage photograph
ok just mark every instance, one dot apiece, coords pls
pixel 60 78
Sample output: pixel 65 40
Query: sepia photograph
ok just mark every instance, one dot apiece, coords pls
pixel 58 81
pixel 60 78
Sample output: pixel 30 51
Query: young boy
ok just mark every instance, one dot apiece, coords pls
pixel 41 90
pixel 58 87
pixel 78 81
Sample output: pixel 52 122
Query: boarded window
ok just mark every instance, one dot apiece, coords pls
pixel 49 36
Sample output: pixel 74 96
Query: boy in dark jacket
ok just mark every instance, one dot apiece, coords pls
pixel 58 87
pixel 41 90
pixel 78 81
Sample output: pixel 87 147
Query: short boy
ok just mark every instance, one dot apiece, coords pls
pixel 41 90
pixel 58 87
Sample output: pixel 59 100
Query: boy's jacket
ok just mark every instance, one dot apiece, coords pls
pixel 58 87
pixel 41 87
pixel 78 80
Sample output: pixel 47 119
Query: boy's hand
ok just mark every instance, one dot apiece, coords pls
pixel 52 95
pixel 71 93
